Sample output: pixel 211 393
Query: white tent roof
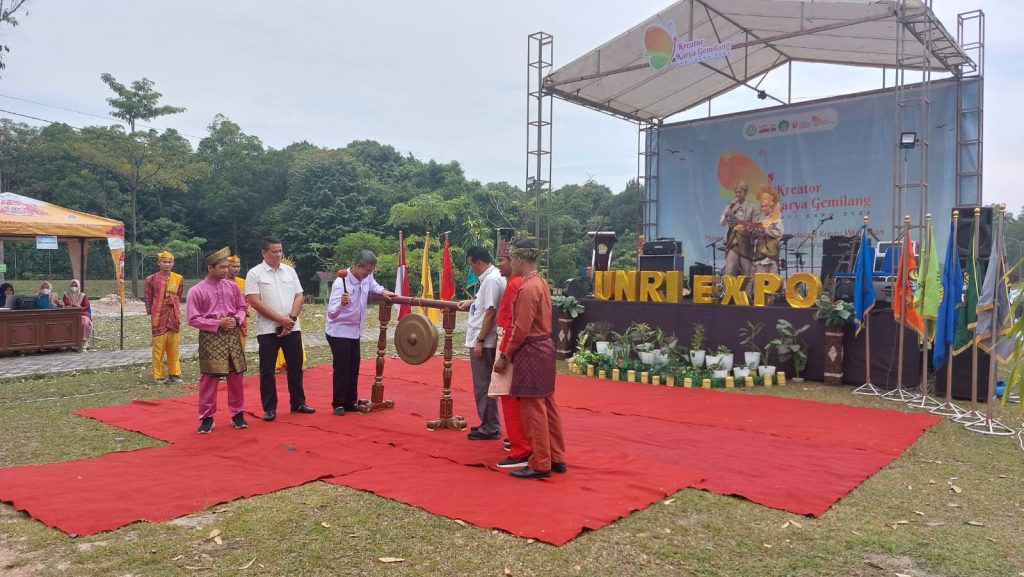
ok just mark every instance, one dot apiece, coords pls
pixel 764 34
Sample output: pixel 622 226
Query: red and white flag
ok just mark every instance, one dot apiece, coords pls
pixel 401 281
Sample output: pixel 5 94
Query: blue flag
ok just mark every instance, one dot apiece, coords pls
pixel 863 292
pixel 952 298
pixel 471 278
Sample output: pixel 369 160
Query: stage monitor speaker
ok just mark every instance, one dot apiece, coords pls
pixel 962 376
pixel 837 245
pixel 963 232
pixel 663 246
pixel 662 262
pixel 843 289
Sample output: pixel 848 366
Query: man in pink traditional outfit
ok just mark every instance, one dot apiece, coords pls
pixel 217 308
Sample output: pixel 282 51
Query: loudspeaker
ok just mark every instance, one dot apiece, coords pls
pixel 963 232
pixel 662 262
pixel 700 269
pixel 837 245
pixel 843 289
pixel 574 288
pixel 829 264
pixel 962 376
pixel 663 246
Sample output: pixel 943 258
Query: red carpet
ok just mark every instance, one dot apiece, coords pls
pixel 629 445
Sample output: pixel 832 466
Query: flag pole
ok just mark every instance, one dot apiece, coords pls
pixel 988 425
pixel 898 394
pixel 867 388
pixel 973 416
pixel 949 408
pixel 924 401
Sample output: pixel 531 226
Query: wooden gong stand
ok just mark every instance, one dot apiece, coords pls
pixel 377 402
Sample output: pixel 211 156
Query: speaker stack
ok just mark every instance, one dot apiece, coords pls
pixel 963 233
pixel 664 254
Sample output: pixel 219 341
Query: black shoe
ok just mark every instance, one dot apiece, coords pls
pixel 239 421
pixel 353 408
pixel 305 409
pixel 205 426
pixel 514 463
pixel 528 473
pixel 270 415
pixel 478 436
pixel 559 467
pixel 506 444
pixel 339 411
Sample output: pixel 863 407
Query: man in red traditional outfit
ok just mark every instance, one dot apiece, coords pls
pixel 163 303
pixel 518 445
pixel 532 351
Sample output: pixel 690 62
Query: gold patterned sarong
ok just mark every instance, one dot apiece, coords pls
pixel 221 353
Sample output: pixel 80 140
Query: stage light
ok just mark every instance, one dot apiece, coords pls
pixel 530 182
pixel 908 140
pixel 762 95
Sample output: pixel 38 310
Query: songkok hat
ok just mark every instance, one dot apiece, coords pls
pixel 741 185
pixel 217 256
pixel 165 255
pixel 234 258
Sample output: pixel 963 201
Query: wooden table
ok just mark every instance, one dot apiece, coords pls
pixel 40 329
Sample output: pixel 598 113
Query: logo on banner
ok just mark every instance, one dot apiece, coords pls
pixel 663 48
pixel 824 119
pixel 14 207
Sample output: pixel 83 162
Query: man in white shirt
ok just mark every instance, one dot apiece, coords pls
pixel 273 289
pixel 482 340
pixel 346 315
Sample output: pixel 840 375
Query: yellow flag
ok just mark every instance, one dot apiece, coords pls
pixel 427 285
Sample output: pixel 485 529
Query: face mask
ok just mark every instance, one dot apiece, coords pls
pixel 75 289
pixel 45 291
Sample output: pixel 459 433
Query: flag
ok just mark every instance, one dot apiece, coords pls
pixel 401 281
pixel 447 273
pixel 994 306
pixel 427 284
pixel 863 291
pixel 902 297
pixel 471 278
pixel 952 301
pixel 929 288
pixel 969 308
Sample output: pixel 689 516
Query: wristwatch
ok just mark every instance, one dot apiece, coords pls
pixel 294 318
pixel 481 340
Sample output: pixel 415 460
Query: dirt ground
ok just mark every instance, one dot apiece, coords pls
pixel 108 306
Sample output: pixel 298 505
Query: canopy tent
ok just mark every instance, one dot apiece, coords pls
pixel 695 50
pixel 24 218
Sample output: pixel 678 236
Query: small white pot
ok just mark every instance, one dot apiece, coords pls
pixel 751 359
pixel 727 361
pixel 766 370
pixel 697 358
pixel 741 373
pixel 719 373
pixel 712 360
pixel 601 347
pixel 660 357
pixel 647 357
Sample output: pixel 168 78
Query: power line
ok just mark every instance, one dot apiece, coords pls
pixel 103 117
pixel 36 118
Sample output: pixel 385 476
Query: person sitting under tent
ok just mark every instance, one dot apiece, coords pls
pixel 7 298
pixel 45 298
pixel 76 298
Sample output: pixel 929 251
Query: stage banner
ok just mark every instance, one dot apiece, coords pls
pixel 829 162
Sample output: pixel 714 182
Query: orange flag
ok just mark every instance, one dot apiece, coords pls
pixel 903 294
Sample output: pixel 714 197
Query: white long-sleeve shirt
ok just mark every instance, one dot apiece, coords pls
pixel 346 321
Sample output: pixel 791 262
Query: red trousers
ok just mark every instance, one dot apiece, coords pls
pixel 208 394
pixel 543 425
pixel 511 410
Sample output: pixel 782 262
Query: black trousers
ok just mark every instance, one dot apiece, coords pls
pixel 291 344
pixel 346 370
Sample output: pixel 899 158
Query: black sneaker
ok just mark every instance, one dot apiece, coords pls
pixel 205 426
pixel 559 468
pixel 506 444
pixel 239 421
pixel 478 436
pixel 513 463
pixel 339 411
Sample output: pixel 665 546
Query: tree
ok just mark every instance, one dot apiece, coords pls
pixel 140 158
pixel 8 8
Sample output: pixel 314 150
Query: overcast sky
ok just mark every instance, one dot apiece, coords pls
pixel 443 80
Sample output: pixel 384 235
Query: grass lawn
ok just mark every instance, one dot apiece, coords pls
pixel 951 506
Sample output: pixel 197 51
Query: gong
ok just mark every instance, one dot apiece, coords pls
pixel 416 339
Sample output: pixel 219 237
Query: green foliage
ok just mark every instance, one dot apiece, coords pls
pixel 833 313
pixel 698 337
pixel 568 305
pixel 749 334
pixel 8 8
pixel 789 345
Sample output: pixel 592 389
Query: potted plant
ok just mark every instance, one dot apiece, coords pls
pixel 717 370
pixel 646 353
pixel 726 356
pixel 789 345
pixel 697 353
pixel 640 337
pixel 601 331
pixel 741 373
pixel 569 308
pixel 835 315
pixel 665 343
pixel 748 338
pixel 765 369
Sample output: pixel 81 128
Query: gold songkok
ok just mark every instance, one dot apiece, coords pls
pixel 234 258
pixel 165 255
pixel 216 257
pixel 740 186
pixel 527 254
